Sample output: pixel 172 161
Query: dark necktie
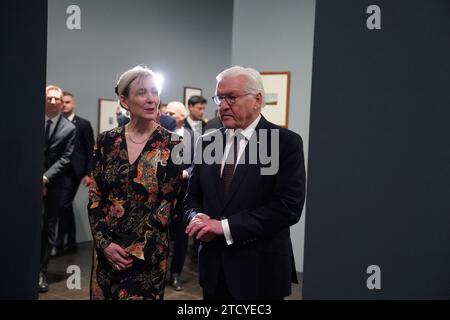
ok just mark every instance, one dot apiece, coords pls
pixel 228 168
pixel 47 131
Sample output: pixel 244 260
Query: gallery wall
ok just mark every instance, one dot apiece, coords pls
pixel 189 42
pixel 279 36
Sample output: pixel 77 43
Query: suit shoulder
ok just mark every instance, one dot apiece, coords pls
pixel 290 135
pixel 285 133
pixel 83 121
pixel 66 123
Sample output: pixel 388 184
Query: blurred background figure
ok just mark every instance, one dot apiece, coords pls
pixel 59 139
pixel 165 120
pixel 79 172
pixel 178 111
pixel 122 119
pixel 214 123
pixel 195 121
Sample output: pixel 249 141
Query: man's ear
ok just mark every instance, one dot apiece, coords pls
pixel 258 101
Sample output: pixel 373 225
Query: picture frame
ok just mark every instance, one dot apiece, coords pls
pixel 107 118
pixel 189 92
pixel 277 87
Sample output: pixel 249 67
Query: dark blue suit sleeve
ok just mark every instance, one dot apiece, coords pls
pixel 193 200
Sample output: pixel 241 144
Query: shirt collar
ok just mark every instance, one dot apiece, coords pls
pixel 180 131
pixel 191 122
pixel 247 132
pixel 54 119
pixel 70 118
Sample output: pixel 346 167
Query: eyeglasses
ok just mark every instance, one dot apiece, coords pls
pixel 49 99
pixel 230 99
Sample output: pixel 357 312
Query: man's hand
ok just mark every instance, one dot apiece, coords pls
pixel 209 230
pixel 185 174
pixel 86 181
pixel 195 224
pixel 117 257
pixel 204 228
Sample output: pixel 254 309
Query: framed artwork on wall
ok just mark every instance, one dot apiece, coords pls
pixel 107 117
pixel 277 88
pixel 189 92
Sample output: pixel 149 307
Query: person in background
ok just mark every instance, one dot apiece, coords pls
pixel 214 123
pixel 166 121
pixel 178 111
pixel 122 119
pixel 132 196
pixel 79 172
pixel 59 142
pixel 194 121
pixel 241 215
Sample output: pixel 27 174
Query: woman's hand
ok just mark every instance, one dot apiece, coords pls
pixel 117 257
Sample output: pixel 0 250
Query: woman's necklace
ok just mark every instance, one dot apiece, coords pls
pixel 131 139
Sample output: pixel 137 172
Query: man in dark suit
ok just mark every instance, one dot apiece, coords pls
pixel 214 123
pixel 177 111
pixel 79 172
pixel 241 206
pixel 59 144
pixel 194 121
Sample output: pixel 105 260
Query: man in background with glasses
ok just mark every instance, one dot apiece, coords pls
pixel 240 215
pixel 59 142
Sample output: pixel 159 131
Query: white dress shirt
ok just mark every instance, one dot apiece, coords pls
pixel 180 131
pixel 196 125
pixel 229 134
pixel 70 118
pixel 53 124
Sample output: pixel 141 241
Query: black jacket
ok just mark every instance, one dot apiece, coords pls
pixel 260 209
pixel 58 150
pixel 82 156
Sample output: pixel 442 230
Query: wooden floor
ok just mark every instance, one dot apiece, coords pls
pixel 58 289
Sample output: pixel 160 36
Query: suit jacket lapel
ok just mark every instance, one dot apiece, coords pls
pixel 54 131
pixel 216 173
pixel 243 169
pixel 239 175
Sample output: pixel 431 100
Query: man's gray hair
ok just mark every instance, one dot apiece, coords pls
pixel 254 80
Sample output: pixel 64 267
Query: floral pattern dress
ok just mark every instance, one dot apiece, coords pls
pixel 131 205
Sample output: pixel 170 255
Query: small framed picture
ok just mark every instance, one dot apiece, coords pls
pixel 189 92
pixel 107 114
pixel 277 88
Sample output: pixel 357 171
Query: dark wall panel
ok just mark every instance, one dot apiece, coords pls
pixel 23 65
pixel 379 157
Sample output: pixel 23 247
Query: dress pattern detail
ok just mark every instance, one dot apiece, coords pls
pixel 131 204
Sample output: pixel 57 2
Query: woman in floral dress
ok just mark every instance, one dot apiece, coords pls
pixel 132 194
